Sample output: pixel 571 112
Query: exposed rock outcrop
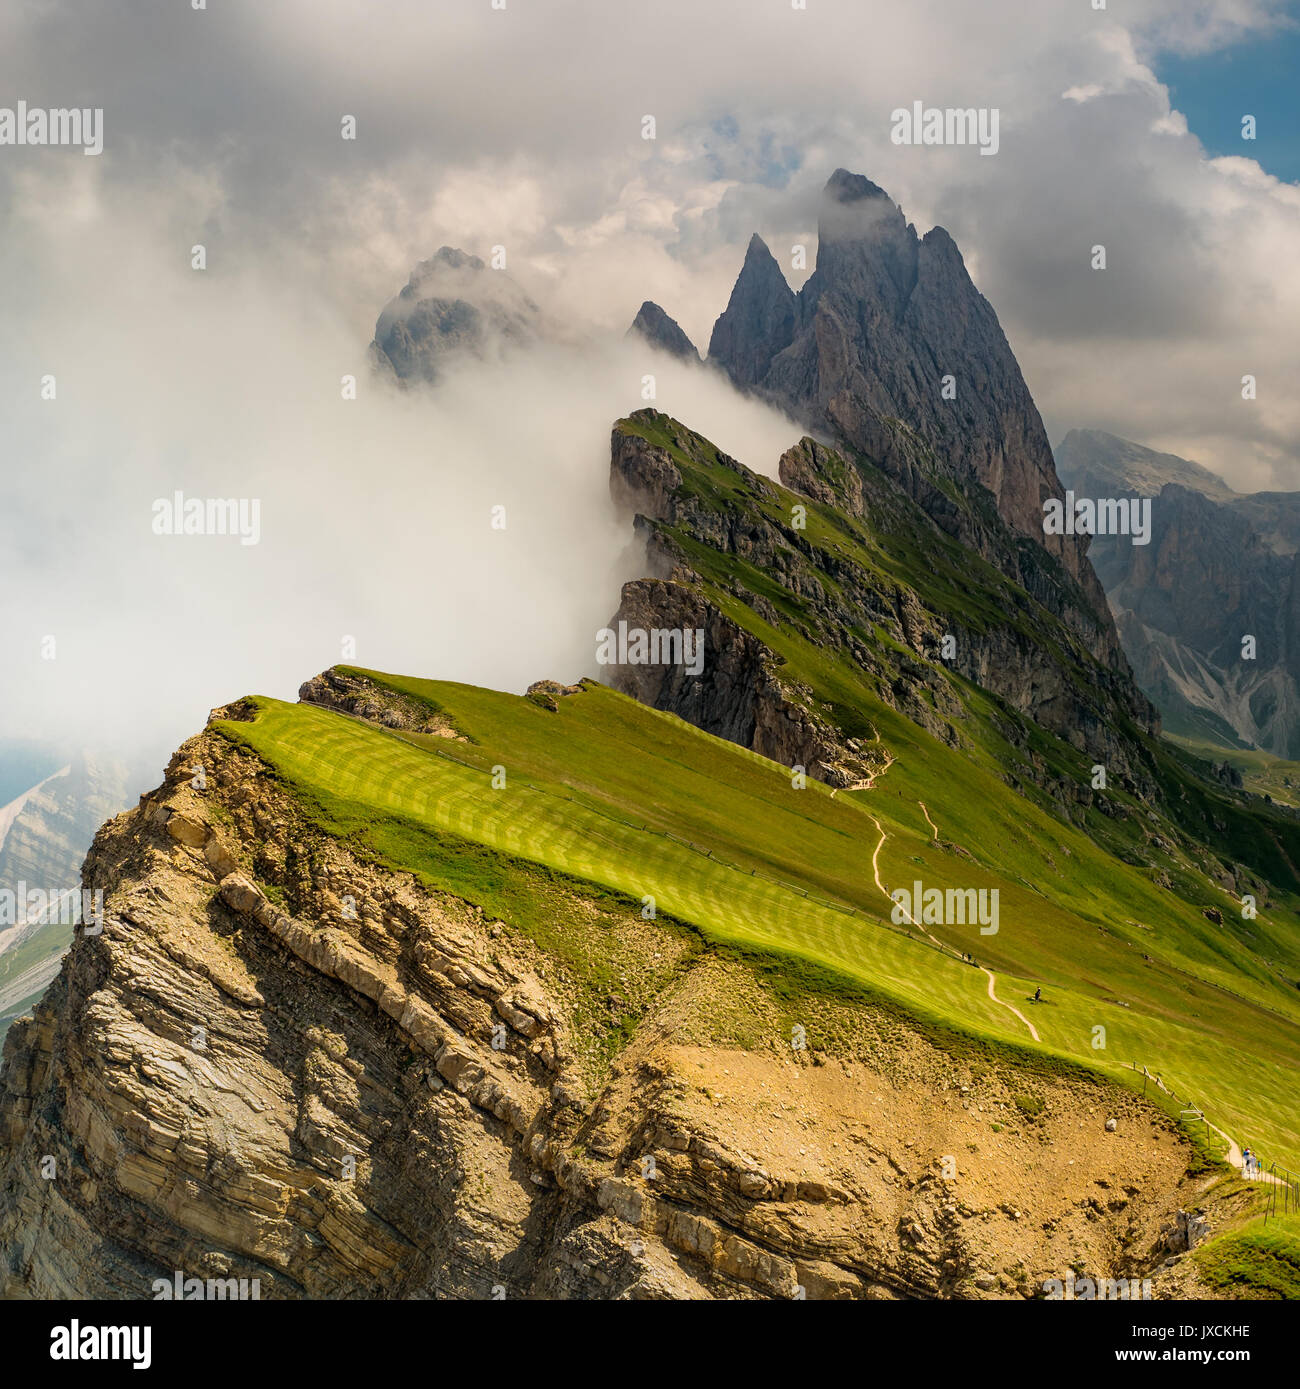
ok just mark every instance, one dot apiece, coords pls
pixel 353 694
pixel 654 326
pixel 281 1062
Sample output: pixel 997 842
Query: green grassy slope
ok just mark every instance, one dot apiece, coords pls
pixel 1261 772
pixel 605 790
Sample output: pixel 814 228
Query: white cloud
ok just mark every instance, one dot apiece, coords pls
pixel 522 128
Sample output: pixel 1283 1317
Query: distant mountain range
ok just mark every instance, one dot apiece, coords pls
pixel 45 831
pixel 1221 568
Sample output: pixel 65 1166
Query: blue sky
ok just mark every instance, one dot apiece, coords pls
pixel 1260 78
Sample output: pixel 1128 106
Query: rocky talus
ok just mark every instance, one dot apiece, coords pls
pixel 281 1062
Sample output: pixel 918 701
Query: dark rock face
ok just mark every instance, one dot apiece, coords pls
pixel 862 353
pixel 656 328
pixel 747 694
pixel 453 305
pixel 1211 576
pixel 738 695
pixel 758 322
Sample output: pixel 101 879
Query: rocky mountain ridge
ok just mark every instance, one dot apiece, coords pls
pixel 890 350
pixel 281 1062
pixel 745 694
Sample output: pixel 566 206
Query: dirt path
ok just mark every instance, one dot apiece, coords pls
pixel 1234 1154
pixel 934 829
pixel 875 869
pixel 1033 1031
pixel 870 782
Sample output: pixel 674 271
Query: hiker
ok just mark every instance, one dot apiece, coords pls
pixel 1038 994
pixel 1247 1163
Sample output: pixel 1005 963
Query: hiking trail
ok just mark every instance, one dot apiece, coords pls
pixel 875 869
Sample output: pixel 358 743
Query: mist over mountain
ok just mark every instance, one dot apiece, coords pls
pixel 541 620
pixel 452 306
pixel 889 348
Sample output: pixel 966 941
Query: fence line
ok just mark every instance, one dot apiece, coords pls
pixel 1284 1190
pixel 1278 1178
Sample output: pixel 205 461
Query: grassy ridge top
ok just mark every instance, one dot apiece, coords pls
pixel 606 791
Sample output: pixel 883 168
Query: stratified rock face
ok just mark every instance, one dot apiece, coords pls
pixel 862 353
pixel 281 1063
pixel 656 328
pixel 1187 601
pixel 453 305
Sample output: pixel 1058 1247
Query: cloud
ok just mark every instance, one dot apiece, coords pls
pixel 522 128
pixel 377 530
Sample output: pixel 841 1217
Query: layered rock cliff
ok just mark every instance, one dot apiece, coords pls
pixel 280 1061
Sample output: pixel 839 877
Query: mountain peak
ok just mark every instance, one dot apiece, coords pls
pixel 452 305
pixel 890 348
pixel 758 249
pixel 759 320
pixel 1104 464
pixel 655 327
pixel 844 187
